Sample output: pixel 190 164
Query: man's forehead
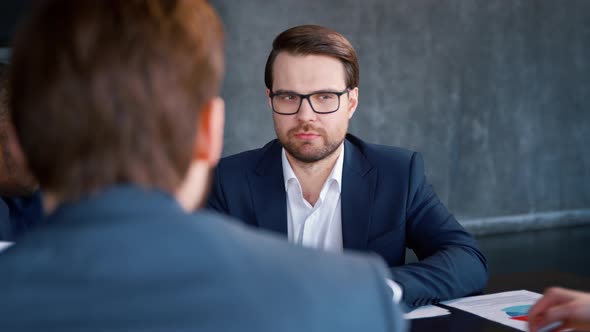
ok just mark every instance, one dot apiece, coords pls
pixel 308 73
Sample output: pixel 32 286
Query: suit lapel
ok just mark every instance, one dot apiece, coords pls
pixel 359 180
pixel 268 191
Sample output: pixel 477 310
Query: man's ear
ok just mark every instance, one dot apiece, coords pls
pixel 353 101
pixel 208 143
pixel 268 98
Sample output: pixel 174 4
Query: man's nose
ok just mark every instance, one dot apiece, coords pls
pixel 306 112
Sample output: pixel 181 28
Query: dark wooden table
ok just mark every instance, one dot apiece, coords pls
pixel 459 321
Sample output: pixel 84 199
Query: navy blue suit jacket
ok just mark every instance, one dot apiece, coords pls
pixel 19 214
pixel 129 259
pixel 387 205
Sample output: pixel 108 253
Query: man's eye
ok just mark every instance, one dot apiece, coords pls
pixel 288 97
pixel 326 96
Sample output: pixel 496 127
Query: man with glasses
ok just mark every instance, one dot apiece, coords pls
pixel 323 188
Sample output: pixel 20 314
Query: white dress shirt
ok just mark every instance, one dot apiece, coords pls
pixel 318 226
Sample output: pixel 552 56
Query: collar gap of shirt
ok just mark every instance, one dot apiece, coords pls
pixel 318 226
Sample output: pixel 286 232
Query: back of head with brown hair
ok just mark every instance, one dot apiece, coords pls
pixel 109 91
pixel 314 40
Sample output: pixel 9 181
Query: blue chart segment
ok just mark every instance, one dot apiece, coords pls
pixel 518 312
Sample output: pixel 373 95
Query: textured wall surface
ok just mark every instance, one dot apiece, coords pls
pixel 495 94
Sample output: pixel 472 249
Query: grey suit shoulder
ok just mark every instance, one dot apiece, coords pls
pixel 134 260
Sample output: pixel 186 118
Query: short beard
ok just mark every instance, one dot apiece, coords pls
pixel 321 153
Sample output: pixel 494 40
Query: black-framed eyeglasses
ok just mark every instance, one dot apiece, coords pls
pixel 322 102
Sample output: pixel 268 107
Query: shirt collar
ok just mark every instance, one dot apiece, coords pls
pixel 335 175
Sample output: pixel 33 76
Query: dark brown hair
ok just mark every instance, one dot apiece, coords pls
pixel 316 40
pixel 109 91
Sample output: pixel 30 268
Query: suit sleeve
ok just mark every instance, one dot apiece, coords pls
pixel 450 262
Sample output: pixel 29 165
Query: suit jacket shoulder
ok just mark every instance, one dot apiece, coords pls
pixel 238 180
pixel 381 156
pixel 132 258
pixel 250 159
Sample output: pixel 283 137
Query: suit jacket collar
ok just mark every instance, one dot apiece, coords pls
pixel 268 190
pixel 358 189
pixel 359 180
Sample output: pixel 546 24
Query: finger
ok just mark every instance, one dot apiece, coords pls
pixel 560 313
pixel 552 297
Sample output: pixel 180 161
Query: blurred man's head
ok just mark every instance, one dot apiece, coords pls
pixel 15 178
pixel 111 92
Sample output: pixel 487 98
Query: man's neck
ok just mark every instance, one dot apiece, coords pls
pixel 312 176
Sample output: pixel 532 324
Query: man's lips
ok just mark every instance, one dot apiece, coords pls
pixel 307 136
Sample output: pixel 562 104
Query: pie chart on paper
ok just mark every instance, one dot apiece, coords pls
pixel 519 312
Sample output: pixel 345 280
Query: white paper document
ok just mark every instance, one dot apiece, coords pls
pixel 426 311
pixel 4 245
pixel 507 308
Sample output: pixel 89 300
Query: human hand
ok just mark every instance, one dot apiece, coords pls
pixel 570 307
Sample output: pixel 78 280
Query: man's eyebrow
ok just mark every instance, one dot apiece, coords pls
pixel 285 92
pixel 291 92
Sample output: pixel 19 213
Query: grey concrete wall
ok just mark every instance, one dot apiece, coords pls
pixel 494 93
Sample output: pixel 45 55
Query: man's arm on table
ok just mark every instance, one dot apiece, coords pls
pixel 451 264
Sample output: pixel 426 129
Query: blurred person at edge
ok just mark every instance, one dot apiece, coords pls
pixel 567 308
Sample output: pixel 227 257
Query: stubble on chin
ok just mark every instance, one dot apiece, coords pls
pixel 307 152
